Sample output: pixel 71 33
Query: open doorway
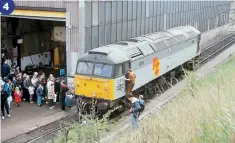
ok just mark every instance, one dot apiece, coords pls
pixel 34 45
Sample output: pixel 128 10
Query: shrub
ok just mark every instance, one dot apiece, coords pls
pixel 204 112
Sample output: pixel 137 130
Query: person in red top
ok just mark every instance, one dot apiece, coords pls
pixel 17 96
pixel 63 89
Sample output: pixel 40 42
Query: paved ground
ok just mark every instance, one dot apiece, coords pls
pixel 154 105
pixel 28 117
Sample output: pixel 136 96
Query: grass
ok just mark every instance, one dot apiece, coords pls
pixel 203 113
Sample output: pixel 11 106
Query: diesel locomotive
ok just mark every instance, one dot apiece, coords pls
pixel 100 73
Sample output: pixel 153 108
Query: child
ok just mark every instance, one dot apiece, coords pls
pixel 135 108
pixel 142 103
pixel 141 100
pixel 39 93
pixel 8 88
pixel 17 96
pixel 31 93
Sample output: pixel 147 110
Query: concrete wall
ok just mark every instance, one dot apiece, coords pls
pixel 209 37
pixel 215 34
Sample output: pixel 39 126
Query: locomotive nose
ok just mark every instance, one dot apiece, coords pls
pixel 93 87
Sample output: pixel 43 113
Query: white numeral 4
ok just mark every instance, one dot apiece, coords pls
pixel 6 6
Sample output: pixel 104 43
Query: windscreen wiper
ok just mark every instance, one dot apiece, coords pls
pixel 88 67
pixel 102 67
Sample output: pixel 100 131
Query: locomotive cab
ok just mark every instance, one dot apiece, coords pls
pixel 98 75
pixel 94 80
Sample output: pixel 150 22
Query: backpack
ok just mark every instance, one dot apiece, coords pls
pixel 142 107
pixel 4 94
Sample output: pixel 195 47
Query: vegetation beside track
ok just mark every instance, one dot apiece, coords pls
pixel 204 112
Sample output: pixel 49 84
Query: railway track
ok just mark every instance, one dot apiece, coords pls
pixel 211 51
pixel 206 55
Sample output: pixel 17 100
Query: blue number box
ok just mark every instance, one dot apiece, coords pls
pixel 7 7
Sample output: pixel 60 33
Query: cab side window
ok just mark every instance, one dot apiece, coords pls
pixel 126 67
pixel 118 70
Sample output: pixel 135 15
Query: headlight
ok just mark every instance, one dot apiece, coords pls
pixel 105 84
pixel 93 94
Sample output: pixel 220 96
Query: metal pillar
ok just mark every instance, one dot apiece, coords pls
pixel 76 49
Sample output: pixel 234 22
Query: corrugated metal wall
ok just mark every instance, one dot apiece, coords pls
pixel 108 22
pixel 40 4
pixel 73 8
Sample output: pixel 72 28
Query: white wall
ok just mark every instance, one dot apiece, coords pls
pixel 209 37
pixel 36 59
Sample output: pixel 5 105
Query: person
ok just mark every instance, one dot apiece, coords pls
pixel 3 59
pixel 68 99
pixel 51 77
pixel 4 104
pixel 17 71
pixel 130 80
pixel 26 85
pixel 35 82
pixel 43 81
pixel 1 82
pixel 8 90
pixel 63 89
pixel 31 93
pixel 14 81
pixel 142 103
pixel 12 72
pixel 50 92
pixel 57 90
pixel 17 96
pixel 19 81
pixel 135 108
pixel 39 93
pixel 5 69
pixel 24 76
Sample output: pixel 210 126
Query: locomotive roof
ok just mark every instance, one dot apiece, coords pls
pixel 138 47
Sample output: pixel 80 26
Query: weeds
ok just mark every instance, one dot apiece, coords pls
pixel 204 112
pixel 89 130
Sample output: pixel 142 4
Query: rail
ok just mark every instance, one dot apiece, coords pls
pixel 230 37
pixel 226 41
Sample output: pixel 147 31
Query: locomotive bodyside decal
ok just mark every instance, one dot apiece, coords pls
pixel 156 66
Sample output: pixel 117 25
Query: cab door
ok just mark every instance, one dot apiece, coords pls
pixel 120 75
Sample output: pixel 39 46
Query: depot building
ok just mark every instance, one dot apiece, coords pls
pixel 52 35
pixel 42 38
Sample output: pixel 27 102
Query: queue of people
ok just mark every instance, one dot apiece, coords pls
pixel 17 87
